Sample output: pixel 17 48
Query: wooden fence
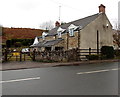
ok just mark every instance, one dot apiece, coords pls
pixel 82 53
pixel 16 56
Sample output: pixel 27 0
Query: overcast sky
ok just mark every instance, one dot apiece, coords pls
pixel 31 13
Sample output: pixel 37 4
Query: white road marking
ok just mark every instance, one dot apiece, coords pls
pixel 17 80
pixel 115 69
pixel 98 71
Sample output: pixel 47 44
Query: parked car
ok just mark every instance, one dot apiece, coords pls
pixel 25 50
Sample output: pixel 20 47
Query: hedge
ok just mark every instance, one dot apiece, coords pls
pixel 22 42
pixel 107 51
pixel 92 57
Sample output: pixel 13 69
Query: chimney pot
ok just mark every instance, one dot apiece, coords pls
pixel 101 8
pixel 57 24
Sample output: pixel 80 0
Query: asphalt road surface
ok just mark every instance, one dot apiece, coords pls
pixel 89 79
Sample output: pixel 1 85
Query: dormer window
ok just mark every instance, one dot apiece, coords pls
pixel 43 35
pixel 59 32
pixel 71 29
pixel 71 32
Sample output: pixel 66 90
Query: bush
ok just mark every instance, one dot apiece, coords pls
pixel 117 53
pixel 8 43
pixel 107 51
pixel 18 44
pixel 92 57
pixel 103 57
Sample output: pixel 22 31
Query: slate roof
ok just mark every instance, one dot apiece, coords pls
pixel 48 43
pixel 80 22
pixel 52 42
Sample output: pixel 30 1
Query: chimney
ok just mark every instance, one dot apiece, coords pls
pixel 57 24
pixel 101 8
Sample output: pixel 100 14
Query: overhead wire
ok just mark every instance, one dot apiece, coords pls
pixel 65 5
pixel 61 5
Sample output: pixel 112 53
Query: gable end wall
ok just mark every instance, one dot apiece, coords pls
pixel 88 35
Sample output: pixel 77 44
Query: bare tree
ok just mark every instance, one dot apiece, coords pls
pixel 47 25
pixel 116 38
pixel 118 26
pixel 0 29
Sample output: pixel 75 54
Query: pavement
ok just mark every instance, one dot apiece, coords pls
pixel 14 65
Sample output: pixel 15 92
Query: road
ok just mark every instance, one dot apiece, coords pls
pixel 87 79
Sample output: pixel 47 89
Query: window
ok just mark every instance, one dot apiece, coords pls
pixel 71 32
pixel 59 34
pixel 43 36
pixel 47 48
pixel 71 29
pixel 58 48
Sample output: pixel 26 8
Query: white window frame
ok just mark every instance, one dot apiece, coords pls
pixel 59 34
pixel 71 29
pixel 71 32
pixel 43 37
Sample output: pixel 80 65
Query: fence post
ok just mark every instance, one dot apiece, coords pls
pixel 5 55
pixel 34 54
pixel 24 56
pixel 20 56
pixel 16 57
pixel 78 54
pixel 89 51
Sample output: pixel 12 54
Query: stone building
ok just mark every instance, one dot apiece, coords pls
pixel 92 32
